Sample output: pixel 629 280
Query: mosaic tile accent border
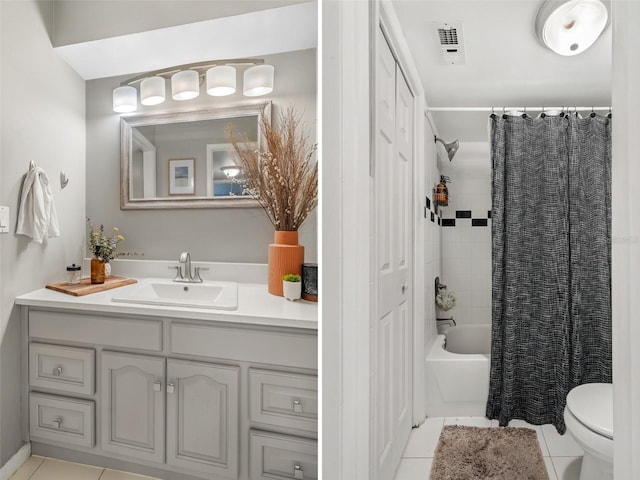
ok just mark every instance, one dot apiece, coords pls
pixel 430 211
pixel 462 217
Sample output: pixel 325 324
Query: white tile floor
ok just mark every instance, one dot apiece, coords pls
pixel 562 455
pixel 41 468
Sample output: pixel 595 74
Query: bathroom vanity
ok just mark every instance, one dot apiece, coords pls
pixel 172 392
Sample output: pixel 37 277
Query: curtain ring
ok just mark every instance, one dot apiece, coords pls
pixel 504 113
pixel 542 115
pixel 524 115
pixel 493 113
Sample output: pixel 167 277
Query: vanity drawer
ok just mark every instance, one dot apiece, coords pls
pixel 100 330
pixel 281 457
pixel 61 419
pixel 283 399
pixel 64 368
pixel 243 344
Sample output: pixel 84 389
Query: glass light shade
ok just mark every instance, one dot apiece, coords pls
pixel 230 171
pixel 221 81
pixel 258 80
pixel 152 91
pixel 573 26
pixel 185 85
pixel 125 99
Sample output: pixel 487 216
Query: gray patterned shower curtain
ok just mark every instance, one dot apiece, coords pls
pixel 551 266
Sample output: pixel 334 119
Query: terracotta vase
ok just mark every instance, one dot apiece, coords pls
pixel 285 256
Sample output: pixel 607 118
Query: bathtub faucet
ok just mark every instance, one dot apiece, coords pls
pixel 451 319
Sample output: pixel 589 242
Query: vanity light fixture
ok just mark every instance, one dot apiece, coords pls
pixel 219 77
pixel 125 99
pixel 221 81
pixel 258 80
pixel 569 27
pixel 152 91
pixel 185 85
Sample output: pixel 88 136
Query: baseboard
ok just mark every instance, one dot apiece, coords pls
pixel 15 462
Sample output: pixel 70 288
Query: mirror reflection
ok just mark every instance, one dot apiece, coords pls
pixel 184 160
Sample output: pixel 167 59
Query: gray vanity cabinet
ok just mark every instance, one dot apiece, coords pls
pixel 177 399
pixel 201 412
pixel 134 401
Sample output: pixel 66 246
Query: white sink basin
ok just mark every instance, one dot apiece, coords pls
pixel 214 295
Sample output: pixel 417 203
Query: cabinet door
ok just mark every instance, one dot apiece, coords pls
pixel 202 417
pixel 133 405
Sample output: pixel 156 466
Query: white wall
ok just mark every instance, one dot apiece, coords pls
pixel 432 237
pixel 234 235
pixel 43 119
pixel 466 249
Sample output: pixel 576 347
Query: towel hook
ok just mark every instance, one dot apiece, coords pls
pixel 64 180
pixel 32 165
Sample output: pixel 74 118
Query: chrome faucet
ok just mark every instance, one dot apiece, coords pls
pixel 187 275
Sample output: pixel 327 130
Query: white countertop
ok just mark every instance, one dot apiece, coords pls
pixel 256 306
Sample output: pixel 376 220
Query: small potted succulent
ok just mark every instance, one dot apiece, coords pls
pixel 292 286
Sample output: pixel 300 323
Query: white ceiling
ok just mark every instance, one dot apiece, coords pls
pixel 506 65
pixel 254 34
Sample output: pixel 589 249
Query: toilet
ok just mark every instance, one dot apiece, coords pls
pixel 589 419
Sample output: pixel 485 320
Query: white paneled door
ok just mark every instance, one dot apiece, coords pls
pixel 392 239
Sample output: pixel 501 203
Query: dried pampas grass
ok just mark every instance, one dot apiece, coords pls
pixel 282 176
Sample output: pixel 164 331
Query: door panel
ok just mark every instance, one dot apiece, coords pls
pixel 202 417
pixel 392 348
pixel 133 405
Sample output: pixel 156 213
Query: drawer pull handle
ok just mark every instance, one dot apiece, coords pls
pixel 57 371
pixel 297 406
pixel 157 386
pixel 298 473
pixel 171 388
pixel 57 422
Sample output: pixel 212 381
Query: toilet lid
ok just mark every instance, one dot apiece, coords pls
pixel 592 405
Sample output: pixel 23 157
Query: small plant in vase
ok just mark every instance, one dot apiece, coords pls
pixel 103 247
pixel 292 286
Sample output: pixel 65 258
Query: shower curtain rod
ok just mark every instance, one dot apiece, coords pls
pixel 569 108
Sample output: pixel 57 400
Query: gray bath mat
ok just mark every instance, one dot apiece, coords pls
pixel 501 453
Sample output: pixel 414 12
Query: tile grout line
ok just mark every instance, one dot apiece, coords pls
pixel 44 459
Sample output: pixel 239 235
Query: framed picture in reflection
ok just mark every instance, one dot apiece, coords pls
pixel 181 176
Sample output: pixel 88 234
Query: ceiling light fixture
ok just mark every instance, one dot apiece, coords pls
pixel 569 27
pixel 230 171
pixel 219 77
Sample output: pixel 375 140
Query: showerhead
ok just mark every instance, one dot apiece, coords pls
pixel 451 148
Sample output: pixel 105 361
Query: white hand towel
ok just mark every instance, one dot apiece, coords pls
pixel 37 216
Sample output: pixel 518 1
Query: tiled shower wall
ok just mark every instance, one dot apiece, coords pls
pixel 466 234
pixel 432 241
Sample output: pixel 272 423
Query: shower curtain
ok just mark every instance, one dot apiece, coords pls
pixel 551 280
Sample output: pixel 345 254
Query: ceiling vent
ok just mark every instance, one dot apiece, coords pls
pixel 450 39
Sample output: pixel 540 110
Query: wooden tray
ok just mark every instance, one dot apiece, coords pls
pixel 85 287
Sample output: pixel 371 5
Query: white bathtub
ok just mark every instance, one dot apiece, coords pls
pixel 458 383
